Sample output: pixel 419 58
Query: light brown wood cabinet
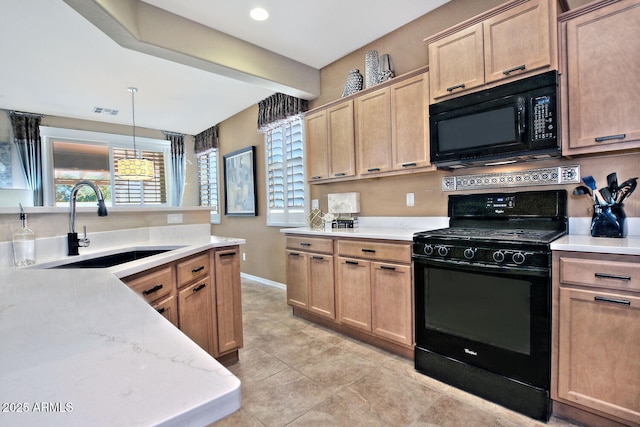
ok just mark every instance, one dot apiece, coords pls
pixel 330 142
pixel 200 294
pixel 310 282
pixel 392 127
pixel 360 287
pixel 375 288
pixel 386 125
pixel 600 46
pixel 506 43
pixel 596 339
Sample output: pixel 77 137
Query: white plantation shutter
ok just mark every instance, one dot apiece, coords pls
pixel 285 174
pixel 208 179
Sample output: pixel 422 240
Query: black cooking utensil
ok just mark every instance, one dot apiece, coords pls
pixel 612 182
pixel 580 190
pixel 625 189
pixel 607 196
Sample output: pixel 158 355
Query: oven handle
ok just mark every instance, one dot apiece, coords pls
pixel 482 268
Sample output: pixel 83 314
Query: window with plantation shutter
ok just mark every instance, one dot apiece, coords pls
pixel 71 155
pixel 286 187
pixel 208 179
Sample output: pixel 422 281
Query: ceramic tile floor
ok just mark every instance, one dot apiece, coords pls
pixel 295 373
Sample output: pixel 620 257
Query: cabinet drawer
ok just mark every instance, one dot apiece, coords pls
pixel 192 269
pixel 312 244
pixel 154 286
pixel 397 252
pixel 618 275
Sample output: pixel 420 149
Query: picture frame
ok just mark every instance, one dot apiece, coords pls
pixel 240 189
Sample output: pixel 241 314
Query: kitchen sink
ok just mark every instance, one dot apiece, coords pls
pixel 107 261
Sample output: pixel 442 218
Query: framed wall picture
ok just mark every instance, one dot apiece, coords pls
pixel 240 183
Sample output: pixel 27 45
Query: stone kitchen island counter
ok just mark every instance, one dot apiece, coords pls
pixel 79 348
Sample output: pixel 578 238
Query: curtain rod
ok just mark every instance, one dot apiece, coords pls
pixel 20 113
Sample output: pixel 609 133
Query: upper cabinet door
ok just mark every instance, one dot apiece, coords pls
pixel 518 41
pixel 456 62
pixel 373 117
pixel 602 60
pixel 410 123
pixel 317 156
pixel 342 160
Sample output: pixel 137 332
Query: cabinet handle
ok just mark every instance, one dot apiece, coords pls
pixel 612 276
pixel 156 288
pixel 339 174
pixel 161 310
pixel 200 268
pixel 409 165
pixel 610 137
pixel 452 88
pixel 352 262
pixel 306 245
pixel 614 301
pixel 368 251
pixel 317 257
pixel 373 170
pixel 511 70
pixel 387 267
pixel 199 287
pixel 294 254
pixel 316 177
pixel 227 254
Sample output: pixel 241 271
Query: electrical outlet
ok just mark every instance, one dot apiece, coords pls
pixel 410 199
pixel 244 256
pixel 315 204
pixel 174 218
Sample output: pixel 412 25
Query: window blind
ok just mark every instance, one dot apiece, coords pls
pixel 208 178
pixel 152 191
pixel 285 174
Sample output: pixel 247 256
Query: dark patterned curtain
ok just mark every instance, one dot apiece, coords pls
pixel 26 137
pixel 277 108
pixel 178 166
pixel 206 141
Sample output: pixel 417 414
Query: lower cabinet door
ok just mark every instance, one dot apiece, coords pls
pixel 321 289
pixel 195 316
pixel 599 348
pixel 392 302
pixel 169 309
pixel 228 300
pixel 297 279
pixel 354 293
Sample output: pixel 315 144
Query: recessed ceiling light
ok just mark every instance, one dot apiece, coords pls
pixel 259 14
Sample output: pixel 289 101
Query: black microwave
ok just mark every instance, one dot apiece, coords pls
pixel 516 121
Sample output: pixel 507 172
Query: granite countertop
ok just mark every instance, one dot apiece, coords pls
pixel 84 349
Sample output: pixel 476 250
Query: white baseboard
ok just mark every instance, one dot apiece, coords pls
pixel 264 281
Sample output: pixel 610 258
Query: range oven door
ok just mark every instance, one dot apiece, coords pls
pixel 491 318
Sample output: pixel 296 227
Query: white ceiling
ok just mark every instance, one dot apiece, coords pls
pixel 55 62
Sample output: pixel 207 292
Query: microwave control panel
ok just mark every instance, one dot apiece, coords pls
pixel 543 113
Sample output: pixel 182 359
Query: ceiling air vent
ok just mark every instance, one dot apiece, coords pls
pixel 102 110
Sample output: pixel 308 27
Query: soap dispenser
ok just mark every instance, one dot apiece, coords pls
pixel 24 243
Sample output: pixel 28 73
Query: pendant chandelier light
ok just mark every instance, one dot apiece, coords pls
pixel 135 168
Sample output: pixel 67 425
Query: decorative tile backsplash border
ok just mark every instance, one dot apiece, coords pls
pixel 525 178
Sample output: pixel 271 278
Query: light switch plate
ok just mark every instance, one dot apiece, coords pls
pixel 174 218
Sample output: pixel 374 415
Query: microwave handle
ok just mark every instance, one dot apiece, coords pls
pixel 521 124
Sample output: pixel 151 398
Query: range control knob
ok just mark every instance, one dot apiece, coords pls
pixel 469 253
pixel 518 257
pixel 443 250
pixel 428 249
pixel 498 256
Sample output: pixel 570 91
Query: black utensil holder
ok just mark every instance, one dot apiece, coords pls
pixel 609 221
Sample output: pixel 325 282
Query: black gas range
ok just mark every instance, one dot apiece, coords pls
pixel 482 296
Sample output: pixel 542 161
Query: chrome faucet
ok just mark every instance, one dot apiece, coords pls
pixel 73 242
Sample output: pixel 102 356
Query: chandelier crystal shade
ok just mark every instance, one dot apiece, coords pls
pixel 135 168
